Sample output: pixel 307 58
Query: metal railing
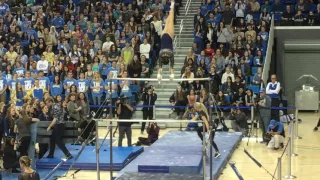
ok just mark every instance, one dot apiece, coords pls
pixel 177 38
pixel 266 66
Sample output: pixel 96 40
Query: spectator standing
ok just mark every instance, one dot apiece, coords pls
pixel 273 89
pixel 149 97
pixel 124 111
pixel 240 10
pixel 265 113
pixel 127 53
pixel 23 124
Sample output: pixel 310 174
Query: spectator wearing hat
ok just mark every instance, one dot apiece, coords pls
pixel 265 112
pixel 276 130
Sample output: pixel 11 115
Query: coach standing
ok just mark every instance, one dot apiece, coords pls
pixel 149 98
pixel 124 111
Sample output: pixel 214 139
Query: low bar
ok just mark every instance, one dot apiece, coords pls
pixel 155 80
pixel 296 134
pixel 134 120
pixel 279 168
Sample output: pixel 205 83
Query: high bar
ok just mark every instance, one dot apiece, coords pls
pixel 156 80
pixel 137 120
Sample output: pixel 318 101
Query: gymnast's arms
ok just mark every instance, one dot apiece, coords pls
pixel 203 118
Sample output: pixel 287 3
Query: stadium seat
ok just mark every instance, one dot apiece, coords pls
pixel 255 88
pixel 256 16
pixel 250 79
pixel 312 7
pixel 228 99
pixel 254 70
pixel 135 89
pixel 277 16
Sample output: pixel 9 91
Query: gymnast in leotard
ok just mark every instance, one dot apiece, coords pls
pixel 166 52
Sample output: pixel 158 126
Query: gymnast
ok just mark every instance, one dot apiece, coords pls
pixel 166 52
pixel 203 115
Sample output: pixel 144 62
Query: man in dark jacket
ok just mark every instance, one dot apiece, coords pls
pixel 149 98
pixel 239 123
pixel 228 14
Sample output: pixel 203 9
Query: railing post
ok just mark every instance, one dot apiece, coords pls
pixel 292 126
pixel 279 168
pixel 252 121
pixel 296 135
pixel 289 152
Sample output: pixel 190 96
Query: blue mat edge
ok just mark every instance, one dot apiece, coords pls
pixel 103 166
pixel 228 157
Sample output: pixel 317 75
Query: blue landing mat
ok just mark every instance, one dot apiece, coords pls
pixel 42 173
pixel 188 150
pixel 87 160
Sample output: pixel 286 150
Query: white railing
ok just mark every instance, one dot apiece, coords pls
pixel 266 66
pixel 177 38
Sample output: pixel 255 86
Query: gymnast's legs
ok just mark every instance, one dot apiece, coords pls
pixel 166 53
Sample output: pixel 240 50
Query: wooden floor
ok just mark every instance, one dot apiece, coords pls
pixel 305 166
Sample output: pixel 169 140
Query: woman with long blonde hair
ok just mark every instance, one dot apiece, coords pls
pixel 204 116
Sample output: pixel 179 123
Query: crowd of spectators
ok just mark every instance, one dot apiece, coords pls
pixel 229 47
pixel 67 54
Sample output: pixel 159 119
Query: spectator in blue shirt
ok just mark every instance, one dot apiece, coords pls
pixel 68 82
pixel 97 89
pixel 125 85
pixel 58 22
pixel 44 82
pixel 189 114
pixel 264 35
pixel 114 88
pixel 19 70
pixel 276 130
pixel 83 84
pixel 4 8
pixel 113 69
pixel 27 82
pixel 103 68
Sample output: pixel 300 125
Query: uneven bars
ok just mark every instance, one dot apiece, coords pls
pixel 134 120
pixel 156 80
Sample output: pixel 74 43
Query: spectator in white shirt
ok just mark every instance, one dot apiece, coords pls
pixel 106 46
pixel 43 65
pixel 145 48
pixel 157 25
pixel 226 75
pixel 273 87
pixel 240 9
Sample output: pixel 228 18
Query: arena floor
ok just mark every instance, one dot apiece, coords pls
pixel 305 166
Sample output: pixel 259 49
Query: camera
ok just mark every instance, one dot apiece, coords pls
pixel 256 100
pixel 122 99
pixel 146 89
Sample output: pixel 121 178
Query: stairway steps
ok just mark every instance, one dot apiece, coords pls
pixel 165 89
